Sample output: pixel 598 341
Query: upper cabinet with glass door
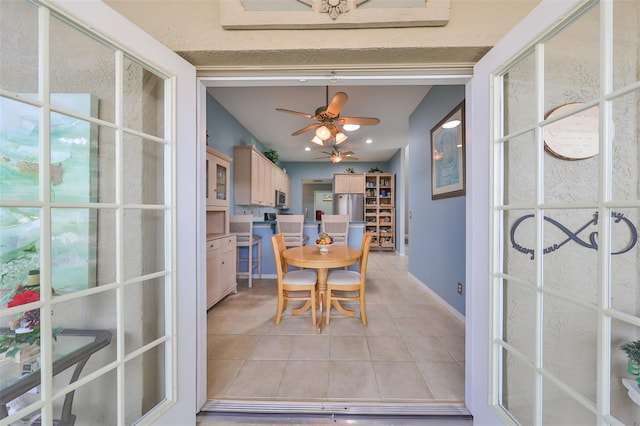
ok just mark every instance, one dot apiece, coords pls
pixel 217 178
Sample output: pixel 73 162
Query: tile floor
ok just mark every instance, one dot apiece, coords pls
pixel 412 351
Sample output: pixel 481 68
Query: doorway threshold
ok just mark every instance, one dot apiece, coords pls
pixel 336 407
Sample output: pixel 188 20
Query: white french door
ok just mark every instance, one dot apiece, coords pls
pixel 97 133
pixel 553 248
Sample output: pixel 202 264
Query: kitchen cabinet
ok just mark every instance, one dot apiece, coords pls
pixel 221 267
pixel 379 209
pixel 217 185
pixel 348 183
pixel 256 178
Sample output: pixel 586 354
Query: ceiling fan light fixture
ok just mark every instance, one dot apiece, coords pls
pixel 323 133
pixel 336 159
pixel 351 127
pixel 317 140
pixel 341 137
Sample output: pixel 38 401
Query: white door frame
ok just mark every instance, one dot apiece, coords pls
pixel 479 115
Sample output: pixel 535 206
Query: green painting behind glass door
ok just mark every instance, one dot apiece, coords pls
pixel 73 179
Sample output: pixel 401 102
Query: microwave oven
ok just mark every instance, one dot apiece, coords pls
pixel 281 198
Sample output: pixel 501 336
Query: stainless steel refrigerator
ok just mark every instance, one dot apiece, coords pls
pixel 351 204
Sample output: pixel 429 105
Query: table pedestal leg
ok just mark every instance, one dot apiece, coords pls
pixel 321 287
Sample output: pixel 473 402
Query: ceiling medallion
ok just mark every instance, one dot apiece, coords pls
pixel 334 7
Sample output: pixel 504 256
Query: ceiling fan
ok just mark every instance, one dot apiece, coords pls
pixel 329 120
pixel 337 156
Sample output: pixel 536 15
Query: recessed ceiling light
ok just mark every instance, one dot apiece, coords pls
pixel 306 148
pixel 369 141
pixel 451 124
pixel 351 127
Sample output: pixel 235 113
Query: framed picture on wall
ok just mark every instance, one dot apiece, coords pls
pixel 447 155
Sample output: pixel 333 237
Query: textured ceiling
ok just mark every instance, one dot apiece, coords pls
pixel 255 109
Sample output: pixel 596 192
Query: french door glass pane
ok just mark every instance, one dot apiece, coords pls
pixel 146 302
pixel 74 242
pixel 144 383
pixel 19 150
pixel 144 249
pixel 19 245
pixel 519 323
pixel 571 260
pixel 519 95
pixel 520 153
pixel 625 46
pixel 519 244
pixel 558 408
pixel 83 314
pixel 571 62
pixel 570 181
pixel 81 64
pixel 518 387
pixel 144 162
pixel 19 47
pixel 73 156
pixel 94 403
pixel 625 284
pixel 622 407
pixel 569 347
pixel 625 146
pixel 143 100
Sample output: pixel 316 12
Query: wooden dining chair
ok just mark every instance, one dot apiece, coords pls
pixel 341 283
pixel 292 227
pixel 337 226
pixel 292 281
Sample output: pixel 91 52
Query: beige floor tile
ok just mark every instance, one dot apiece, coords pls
pixel 352 380
pixel 312 347
pixel 257 379
pixel 455 346
pixel 380 327
pixel 349 348
pixel 445 379
pixel 446 326
pixel 234 347
pixel 339 325
pixel 272 347
pixel 388 348
pixel 304 380
pixel 413 327
pixel 213 340
pixel 400 381
pixel 427 348
pixel 396 358
pixel 220 373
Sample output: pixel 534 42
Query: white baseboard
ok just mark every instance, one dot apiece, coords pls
pixel 443 302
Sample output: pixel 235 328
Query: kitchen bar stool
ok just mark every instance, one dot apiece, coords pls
pixel 242 226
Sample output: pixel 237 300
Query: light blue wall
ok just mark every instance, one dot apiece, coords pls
pixel 325 170
pixel 437 227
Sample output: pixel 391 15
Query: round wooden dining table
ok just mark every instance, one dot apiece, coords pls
pixel 311 257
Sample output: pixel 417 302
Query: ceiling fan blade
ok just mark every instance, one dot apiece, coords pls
pixel 328 153
pixel 304 114
pixel 336 104
pixel 352 158
pixel 306 129
pixel 347 153
pixel 363 121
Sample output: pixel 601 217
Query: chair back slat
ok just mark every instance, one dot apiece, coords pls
pixel 337 226
pixel 242 226
pixel 292 228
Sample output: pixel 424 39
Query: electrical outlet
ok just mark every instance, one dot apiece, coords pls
pixel 459 288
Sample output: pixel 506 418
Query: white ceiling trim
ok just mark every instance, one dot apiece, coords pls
pixel 237 15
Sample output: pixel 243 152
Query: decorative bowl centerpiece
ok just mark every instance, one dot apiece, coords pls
pixel 324 241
